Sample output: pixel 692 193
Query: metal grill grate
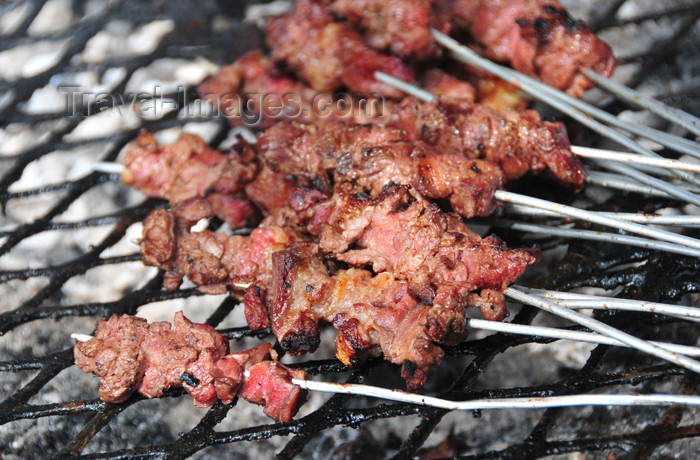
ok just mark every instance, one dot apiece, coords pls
pixel 68 425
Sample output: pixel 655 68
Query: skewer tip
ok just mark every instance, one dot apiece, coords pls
pixel 108 167
pixel 81 337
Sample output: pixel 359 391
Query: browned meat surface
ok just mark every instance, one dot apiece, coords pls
pixel 428 262
pixel 437 148
pixel 189 168
pixel 297 274
pixel 443 84
pixel 254 92
pixel 538 38
pixel 373 157
pixel 517 140
pixel 270 384
pixel 442 260
pixel 498 94
pixel 490 302
pixel 211 260
pixel 114 355
pixel 184 169
pixel 403 26
pixel 374 314
pixel 229 371
pixel 328 54
pixel 270 190
pixel 255 309
pixel 131 355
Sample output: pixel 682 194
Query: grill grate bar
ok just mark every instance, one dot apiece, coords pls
pixel 21 30
pixel 92 222
pixel 103 416
pixel 127 305
pixel 665 50
pixel 670 420
pixel 54 270
pixel 47 373
pixel 28 411
pixel 622 442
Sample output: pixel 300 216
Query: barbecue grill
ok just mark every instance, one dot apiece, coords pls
pixel 67 260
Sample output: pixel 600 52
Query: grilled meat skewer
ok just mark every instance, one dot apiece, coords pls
pixel 407 152
pixel 431 267
pixel 131 355
pixel 536 37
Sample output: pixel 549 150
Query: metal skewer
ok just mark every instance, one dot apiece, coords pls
pixel 108 167
pixel 598 236
pixel 569 211
pixel 564 334
pixel 572 106
pixel 610 155
pixel 575 300
pixel 672 114
pixel 654 219
pixel 602 328
pixel 500 403
pixel 619 182
pixel 624 169
pixel 484 404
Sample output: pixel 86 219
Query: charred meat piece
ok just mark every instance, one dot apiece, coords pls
pixel 114 355
pixel 296 270
pixel 270 384
pixel 372 157
pixel 437 148
pixel 441 83
pixel 254 92
pixel 270 191
pixel 371 314
pixel 330 55
pixel 374 314
pixel 417 241
pixel 229 371
pixel 428 262
pixel 517 140
pixel 442 260
pixel 211 260
pixel 538 38
pixel 402 26
pixel 131 355
pixel 498 94
pixel 490 302
pixel 189 168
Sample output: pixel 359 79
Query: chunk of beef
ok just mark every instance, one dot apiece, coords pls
pixel 295 287
pixel 538 38
pixel 131 355
pixel 229 371
pixel 189 168
pixel 402 26
pixel 518 141
pixel 270 383
pixel 329 54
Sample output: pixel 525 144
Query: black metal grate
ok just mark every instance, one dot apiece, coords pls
pixel 26 374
